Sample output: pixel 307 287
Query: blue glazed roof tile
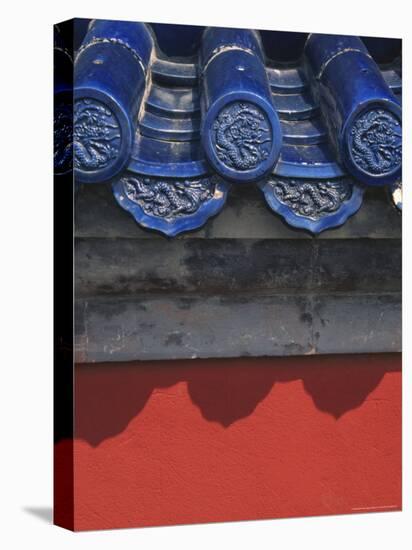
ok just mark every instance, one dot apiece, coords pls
pixel 172 134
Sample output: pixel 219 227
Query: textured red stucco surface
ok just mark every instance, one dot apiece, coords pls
pixel 203 441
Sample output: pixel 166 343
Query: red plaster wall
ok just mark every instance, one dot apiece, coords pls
pixel 202 441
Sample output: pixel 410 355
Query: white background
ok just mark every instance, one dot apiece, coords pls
pixel 26 275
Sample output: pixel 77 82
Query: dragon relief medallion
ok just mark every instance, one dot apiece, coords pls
pixel 242 136
pixel 168 199
pixel 376 142
pixel 96 135
pixel 312 199
pixel 63 138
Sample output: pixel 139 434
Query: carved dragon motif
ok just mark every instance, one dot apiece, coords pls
pixel 96 135
pixel 63 138
pixel 312 199
pixel 376 142
pixel 240 131
pixel 168 199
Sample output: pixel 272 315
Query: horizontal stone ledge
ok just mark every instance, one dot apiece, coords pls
pixel 245 215
pixel 186 327
pixel 127 266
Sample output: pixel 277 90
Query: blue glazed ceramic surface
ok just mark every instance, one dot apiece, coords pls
pixel 109 82
pixel 312 204
pixel 362 114
pixel 168 115
pixel 241 132
pixel 171 206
